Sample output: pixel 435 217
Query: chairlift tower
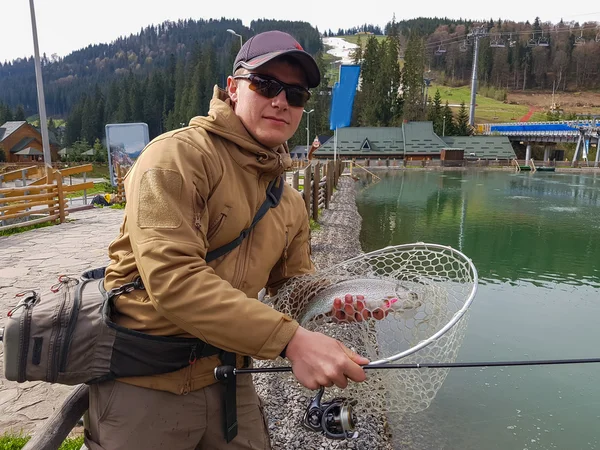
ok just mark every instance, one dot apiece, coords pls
pixel 476 34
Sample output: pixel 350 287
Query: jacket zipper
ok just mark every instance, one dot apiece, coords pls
pixel 25 338
pixel 215 226
pixel 242 259
pixel 285 252
pixel 245 247
pixel 71 327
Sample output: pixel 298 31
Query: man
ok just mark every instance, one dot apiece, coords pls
pixel 193 190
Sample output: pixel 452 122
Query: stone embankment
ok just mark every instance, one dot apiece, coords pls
pixel 284 399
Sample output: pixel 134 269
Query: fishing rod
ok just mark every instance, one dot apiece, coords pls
pixel 539 362
pixel 335 419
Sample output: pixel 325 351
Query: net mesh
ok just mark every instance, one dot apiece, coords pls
pixel 407 303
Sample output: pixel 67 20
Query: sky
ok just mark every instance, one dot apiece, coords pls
pixel 68 25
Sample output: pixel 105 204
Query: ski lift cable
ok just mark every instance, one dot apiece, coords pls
pixel 459 39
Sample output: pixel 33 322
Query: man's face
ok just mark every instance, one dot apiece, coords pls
pixel 271 121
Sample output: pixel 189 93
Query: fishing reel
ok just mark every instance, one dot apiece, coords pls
pixel 335 418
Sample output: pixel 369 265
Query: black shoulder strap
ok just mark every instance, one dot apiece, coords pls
pixel 274 193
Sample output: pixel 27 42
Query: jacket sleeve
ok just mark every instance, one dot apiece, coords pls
pixel 296 259
pixel 168 236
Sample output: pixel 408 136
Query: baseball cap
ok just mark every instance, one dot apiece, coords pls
pixel 264 47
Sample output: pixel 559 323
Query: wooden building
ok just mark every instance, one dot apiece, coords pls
pixel 22 142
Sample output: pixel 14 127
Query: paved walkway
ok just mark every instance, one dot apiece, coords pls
pixel 34 260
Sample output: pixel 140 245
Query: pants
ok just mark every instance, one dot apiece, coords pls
pixel 122 416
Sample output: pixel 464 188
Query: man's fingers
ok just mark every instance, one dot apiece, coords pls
pixel 337 303
pixel 349 309
pixel 378 314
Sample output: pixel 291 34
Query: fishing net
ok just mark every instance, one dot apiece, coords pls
pixel 409 302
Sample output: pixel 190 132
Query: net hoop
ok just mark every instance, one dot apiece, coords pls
pixel 455 318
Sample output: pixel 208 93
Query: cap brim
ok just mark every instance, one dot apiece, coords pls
pixel 313 75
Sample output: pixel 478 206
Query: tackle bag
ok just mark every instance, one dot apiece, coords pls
pixel 71 339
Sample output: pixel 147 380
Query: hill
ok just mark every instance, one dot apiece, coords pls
pixel 67 79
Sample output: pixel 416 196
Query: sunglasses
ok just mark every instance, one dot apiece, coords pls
pixel 270 87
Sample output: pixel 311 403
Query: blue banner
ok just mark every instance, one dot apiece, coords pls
pixel 342 97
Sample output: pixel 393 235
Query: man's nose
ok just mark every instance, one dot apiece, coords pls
pixel 280 100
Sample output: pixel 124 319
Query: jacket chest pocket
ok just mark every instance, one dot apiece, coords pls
pixel 215 225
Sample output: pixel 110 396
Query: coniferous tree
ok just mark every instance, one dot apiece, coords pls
pixel 74 123
pixel 412 78
pixel 462 121
pixel 176 119
pixel 20 113
pixel 392 80
pixel 370 100
pixel 89 125
pixel 356 54
pixel 5 114
pixel 210 77
pixel 448 127
pixel 435 113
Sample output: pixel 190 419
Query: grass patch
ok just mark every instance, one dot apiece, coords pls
pixel 486 109
pixel 353 38
pixel 22 230
pixel 99 171
pixel 17 442
pixel 314 226
pixel 99 188
pixel 118 206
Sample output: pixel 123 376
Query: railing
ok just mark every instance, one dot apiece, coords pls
pixel 317 194
pixel 43 200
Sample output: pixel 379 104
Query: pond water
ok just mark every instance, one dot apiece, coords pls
pixel 535 240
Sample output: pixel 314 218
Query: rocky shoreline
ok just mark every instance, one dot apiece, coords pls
pixel 283 398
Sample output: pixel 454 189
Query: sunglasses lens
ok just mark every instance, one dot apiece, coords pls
pixel 297 97
pixel 266 88
pixel 271 88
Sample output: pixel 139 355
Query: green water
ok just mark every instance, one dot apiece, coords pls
pixel 535 240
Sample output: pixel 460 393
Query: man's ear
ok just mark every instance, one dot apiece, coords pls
pixel 232 89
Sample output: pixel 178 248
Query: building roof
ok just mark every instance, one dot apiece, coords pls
pixel 29 151
pixel 10 127
pixel 419 138
pixel 298 149
pixel 374 141
pixel 487 147
pixel 22 144
pixel 413 138
pixel 324 138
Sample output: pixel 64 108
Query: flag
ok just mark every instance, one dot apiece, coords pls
pixel 342 97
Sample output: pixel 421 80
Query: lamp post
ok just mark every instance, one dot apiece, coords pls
pixel 40 92
pixel 444 126
pixel 229 30
pixel 307 129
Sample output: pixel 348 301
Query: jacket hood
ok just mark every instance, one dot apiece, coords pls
pixel 250 154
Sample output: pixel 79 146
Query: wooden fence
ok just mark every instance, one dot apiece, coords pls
pixel 317 182
pixel 43 200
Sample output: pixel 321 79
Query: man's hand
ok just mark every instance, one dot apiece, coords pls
pixel 318 360
pixel 349 310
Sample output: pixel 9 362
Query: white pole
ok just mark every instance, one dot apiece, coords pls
pixel 40 90
pixel 307 132
pixel 335 144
